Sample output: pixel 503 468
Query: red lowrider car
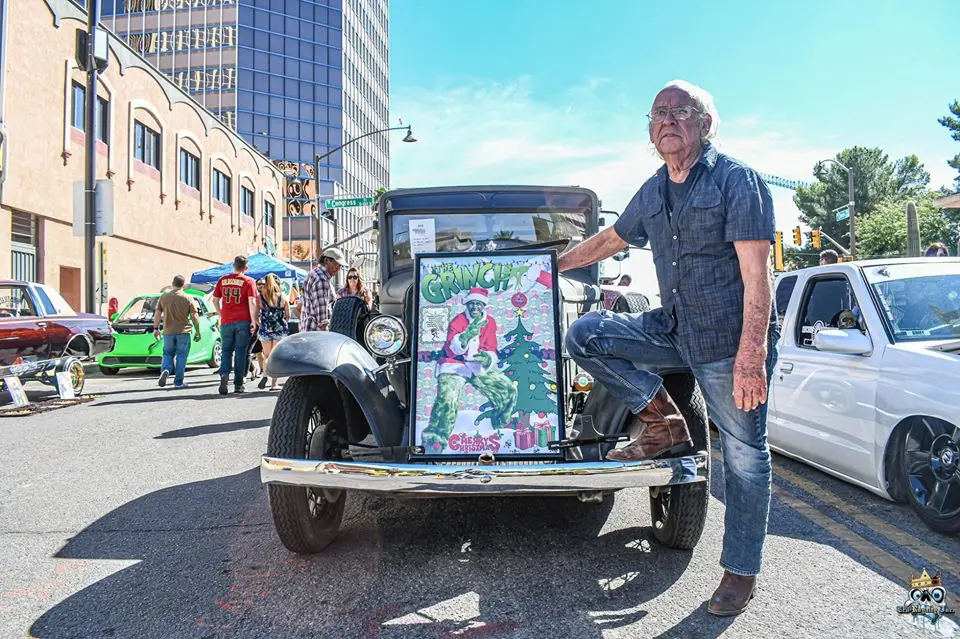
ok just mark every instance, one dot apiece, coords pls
pixel 40 334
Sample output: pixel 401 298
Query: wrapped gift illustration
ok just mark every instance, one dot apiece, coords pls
pixel 524 439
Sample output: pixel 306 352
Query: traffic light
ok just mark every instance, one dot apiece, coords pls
pixel 797 236
pixel 778 252
pixel 815 239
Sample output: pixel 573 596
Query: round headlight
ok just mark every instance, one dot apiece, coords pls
pixel 385 336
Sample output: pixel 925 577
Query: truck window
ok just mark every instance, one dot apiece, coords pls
pixel 828 303
pixel 784 290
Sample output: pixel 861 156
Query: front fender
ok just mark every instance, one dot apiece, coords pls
pixel 334 355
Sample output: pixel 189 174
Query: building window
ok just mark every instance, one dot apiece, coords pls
pixel 269 215
pixel 146 146
pixel 246 201
pixel 221 187
pixel 189 169
pixel 78 114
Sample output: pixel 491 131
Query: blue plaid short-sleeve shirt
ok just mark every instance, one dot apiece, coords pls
pixel 701 290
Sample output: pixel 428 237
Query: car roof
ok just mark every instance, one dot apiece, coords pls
pixel 482 197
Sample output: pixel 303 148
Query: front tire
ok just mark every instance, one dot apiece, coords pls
pixel 928 472
pixel 108 371
pixel 679 512
pixel 631 303
pixel 307 520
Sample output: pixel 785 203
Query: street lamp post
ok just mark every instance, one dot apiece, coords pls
pixel 407 138
pixel 818 171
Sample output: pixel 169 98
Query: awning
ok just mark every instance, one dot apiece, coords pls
pixel 258 265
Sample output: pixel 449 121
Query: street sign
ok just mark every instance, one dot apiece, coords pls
pixel 842 213
pixel 346 202
pixel 103 211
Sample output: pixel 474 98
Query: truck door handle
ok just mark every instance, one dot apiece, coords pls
pixel 786 367
pixel 41 324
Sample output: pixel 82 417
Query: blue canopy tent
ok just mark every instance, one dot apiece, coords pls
pixel 258 266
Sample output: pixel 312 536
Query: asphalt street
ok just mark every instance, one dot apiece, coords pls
pixel 141 514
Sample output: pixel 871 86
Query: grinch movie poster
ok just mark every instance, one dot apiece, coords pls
pixel 486 375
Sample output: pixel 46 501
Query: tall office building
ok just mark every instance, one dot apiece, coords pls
pixel 296 78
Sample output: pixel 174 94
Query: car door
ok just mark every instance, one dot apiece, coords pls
pixel 23 334
pixel 784 290
pixel 61 321
pixel 200 351
pixel 825 401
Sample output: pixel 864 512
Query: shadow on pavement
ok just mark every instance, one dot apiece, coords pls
pixel 178 395
pixel 211 429
pixel 210 565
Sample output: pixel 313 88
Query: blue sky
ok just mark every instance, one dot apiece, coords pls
pixel 555 91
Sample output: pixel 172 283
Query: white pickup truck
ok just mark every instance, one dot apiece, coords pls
pixel 867 387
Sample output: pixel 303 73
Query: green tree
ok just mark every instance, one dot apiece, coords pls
pixel 522 364
pixel 883 233
pixel 952 123
pixel 876 180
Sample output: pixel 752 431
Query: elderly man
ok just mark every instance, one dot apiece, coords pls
pixel 709 220
pixel 318 294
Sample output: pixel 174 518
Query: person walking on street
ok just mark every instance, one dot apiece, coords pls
pixel 274 320
pixel 176 311
pixel 235 298
pixel 710 223
pixel 318 296
pixel 356 288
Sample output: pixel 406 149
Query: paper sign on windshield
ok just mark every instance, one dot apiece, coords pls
pixel 487 363
pixel 423 236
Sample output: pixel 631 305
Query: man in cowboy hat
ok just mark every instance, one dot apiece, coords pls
pixel 318 294
pixel 469 355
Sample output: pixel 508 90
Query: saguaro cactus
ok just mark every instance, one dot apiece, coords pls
pixel 913 231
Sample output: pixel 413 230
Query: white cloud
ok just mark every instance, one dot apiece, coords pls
pixel 496 133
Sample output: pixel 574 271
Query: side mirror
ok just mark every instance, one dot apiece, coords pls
pixel 846 341
pixel 113 318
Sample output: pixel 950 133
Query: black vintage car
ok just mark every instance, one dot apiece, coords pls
pixel 342 422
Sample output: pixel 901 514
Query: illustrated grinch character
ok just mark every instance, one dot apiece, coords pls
pixel 469 355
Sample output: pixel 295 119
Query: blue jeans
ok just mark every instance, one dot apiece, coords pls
pixel 236 341
pixel 611 347
pixel 175 350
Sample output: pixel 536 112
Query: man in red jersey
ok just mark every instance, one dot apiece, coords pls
pixel 235 298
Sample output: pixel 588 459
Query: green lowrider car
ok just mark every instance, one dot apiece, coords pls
pixel 136 347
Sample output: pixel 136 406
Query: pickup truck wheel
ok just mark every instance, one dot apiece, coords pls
pixel 107 370
pixel 631 303
pixel 307 519
pixel 215 355
pixel 680 512
pixel 929 472
pixel 349 317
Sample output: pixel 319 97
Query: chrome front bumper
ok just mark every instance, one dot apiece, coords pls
pixel 473 479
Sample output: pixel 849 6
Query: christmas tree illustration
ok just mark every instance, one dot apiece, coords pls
pixel 523 365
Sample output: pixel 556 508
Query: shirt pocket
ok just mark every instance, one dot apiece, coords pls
pixel 704 219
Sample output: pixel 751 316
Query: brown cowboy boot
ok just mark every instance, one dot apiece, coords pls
pixel 665 431
pixel 732 595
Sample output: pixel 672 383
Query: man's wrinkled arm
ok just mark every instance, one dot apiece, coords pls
pixel 597 248
pixel 750 366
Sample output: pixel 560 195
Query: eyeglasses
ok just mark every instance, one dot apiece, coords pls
pixel 352 277
pixel 684 112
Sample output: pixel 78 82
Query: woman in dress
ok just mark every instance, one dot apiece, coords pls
pixel 356 288
pixel 274 318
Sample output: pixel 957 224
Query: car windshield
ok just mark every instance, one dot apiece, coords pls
pixel 140 310
pixel 442 232
pixel 919 301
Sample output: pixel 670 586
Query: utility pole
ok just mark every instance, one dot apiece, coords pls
pixel 853 214
pixel 90 179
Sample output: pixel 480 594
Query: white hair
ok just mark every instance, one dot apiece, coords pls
pixel 702 100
